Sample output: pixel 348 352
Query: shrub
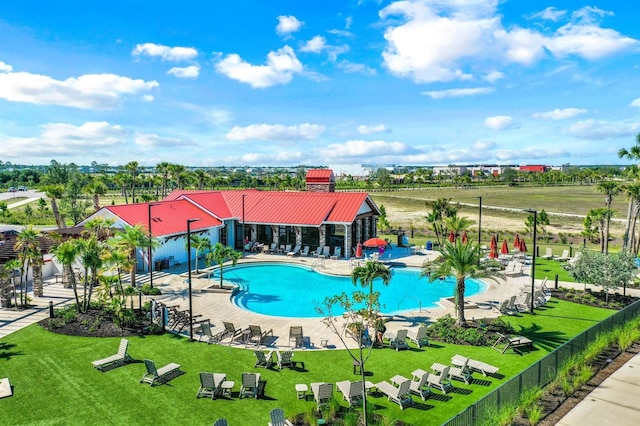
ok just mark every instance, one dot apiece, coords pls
pixel 147 290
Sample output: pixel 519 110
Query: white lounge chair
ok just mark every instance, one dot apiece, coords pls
pixel 352 392
pixel 440 381
pixel 475 365
pixel 294 252
pixel 116 360
pixel 504 307
pixel 155 375
pixel 400 394
pixel 418 336
pixel 461 373
pixel 548 254
pixel 305 251
pixel 210 384
pixel 263 360
pixel 337 253
pixel 419 385
pixel 563 257
pixel 284 359
pixel 398 340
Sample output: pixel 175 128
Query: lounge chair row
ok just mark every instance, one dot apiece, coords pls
pixel 253 335
pixel 283 359
pixel 213 385
pixel 523 301
pixel 398 340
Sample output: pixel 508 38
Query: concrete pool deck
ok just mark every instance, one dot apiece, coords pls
pixel 218 307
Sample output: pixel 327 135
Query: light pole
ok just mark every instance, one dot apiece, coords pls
pixel 189 222
pixel 533 258
pixel 150 254
pixel 479 226
pixel 243 195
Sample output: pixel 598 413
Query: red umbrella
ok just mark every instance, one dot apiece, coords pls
pixel 493 253
pixel 374 242
pixel 359 250
pixel 452 237
pixel 523 246
pixel 494 242
pixel 505 248
pixel 516 242
pixel 464 237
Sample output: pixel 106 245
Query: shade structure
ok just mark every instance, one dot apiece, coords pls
pixel 452 237
pixel 516 242
pixel 359 250
pixel 464 237
pixel 505 248
pixel 523 246
pixel 374 242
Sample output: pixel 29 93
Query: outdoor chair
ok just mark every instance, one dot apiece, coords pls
pixel 517 343
pixel 221 422
pixel 440 381
pixel 305 251
pixel 250 382
pixel 210 384
pixel 277 418
pixel 263 360
pixel 160 375
pixel 398 340
pixel 230 331
pixel 474 365
pixel 461 373
pixel 418 336
pixel 419 385
pixel 548 254
pixel 352 392
pixel 116 360
pixel 256 335
pixel 296 334
pixel 322 393
pixel 400 394
pixel 294 252
pixel 207 335
pixel 563 257
pixel 505 308
pixel 284 359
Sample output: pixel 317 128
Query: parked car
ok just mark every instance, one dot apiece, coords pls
pixel 9 233
pixel 22 188
pixel 12 189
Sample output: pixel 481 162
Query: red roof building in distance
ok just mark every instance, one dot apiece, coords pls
pixel 534 168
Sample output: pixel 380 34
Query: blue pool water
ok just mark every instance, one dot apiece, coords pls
pixel 295 291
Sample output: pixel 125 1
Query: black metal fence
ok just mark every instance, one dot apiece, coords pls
pixel 539 374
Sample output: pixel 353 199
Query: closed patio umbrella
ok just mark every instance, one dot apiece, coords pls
pixel 464 237
pixel 452 237
pixel 505 248
pixel 523 246
pixel 493 252
pixel 359 250
pixel 516 242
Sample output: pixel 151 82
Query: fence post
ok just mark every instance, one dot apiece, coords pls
pixel 556 282
pixel 51 315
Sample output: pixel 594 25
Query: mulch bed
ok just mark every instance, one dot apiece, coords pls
pixel 91 324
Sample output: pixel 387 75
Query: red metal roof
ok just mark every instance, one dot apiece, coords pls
pixel 167 217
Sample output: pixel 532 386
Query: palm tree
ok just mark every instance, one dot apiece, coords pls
pixel 118 259
pixel 27 247
pixel 462 261
pixel 129 240
pixel 132 167
pixel 457 224
pixel 96 189
pixel 11 266
pixel 632 192
pixel 66 253
pixel 199 244
pixel 219 254
pixel 163 170
pixel 89 255
pixel 609 188
pixel 367 274
pixel 55 192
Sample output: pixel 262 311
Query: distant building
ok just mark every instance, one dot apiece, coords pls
pixel 534 168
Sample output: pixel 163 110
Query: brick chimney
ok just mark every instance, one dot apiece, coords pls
pixel 321 180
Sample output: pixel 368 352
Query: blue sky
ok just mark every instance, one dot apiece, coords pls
pixel 318 82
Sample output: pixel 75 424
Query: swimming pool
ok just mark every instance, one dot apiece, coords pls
pixel 294 291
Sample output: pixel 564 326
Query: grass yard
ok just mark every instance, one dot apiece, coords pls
pixel 54 382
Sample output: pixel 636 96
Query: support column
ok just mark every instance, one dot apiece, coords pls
pixel 322 235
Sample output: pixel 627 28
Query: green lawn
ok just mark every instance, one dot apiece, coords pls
pixel 54 382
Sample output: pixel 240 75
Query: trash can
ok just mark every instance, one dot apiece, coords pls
pixel 400 239
pixel 165 263
pixel 429 245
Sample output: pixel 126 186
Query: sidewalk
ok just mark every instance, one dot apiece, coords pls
pixel 614 402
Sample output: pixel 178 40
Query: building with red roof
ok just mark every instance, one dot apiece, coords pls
pixel 316 217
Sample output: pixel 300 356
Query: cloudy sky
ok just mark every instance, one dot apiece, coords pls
pixel 318 82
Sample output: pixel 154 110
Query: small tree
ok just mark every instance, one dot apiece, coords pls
pixel 220 254
pixel 359 309
pixel 368 273
pixel 608 271
pixel 199 244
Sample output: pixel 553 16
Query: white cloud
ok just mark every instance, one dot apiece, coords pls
pixel 500 122
pixel 315 45
pixel 89 91
pixel 588 41
pixel 63 139
pixel 275 132
pixel 153 140
pixel 550 14
pixel 494 76
pixel 191 71
pixel 456 93
pixel 635 103
pixel 280 67
pixel 5 67
pixel 287 25
pixel 597 129
pixel 370 130
pixel 167 53
pixel 365 149
pixel 559 114
pixel 352 67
